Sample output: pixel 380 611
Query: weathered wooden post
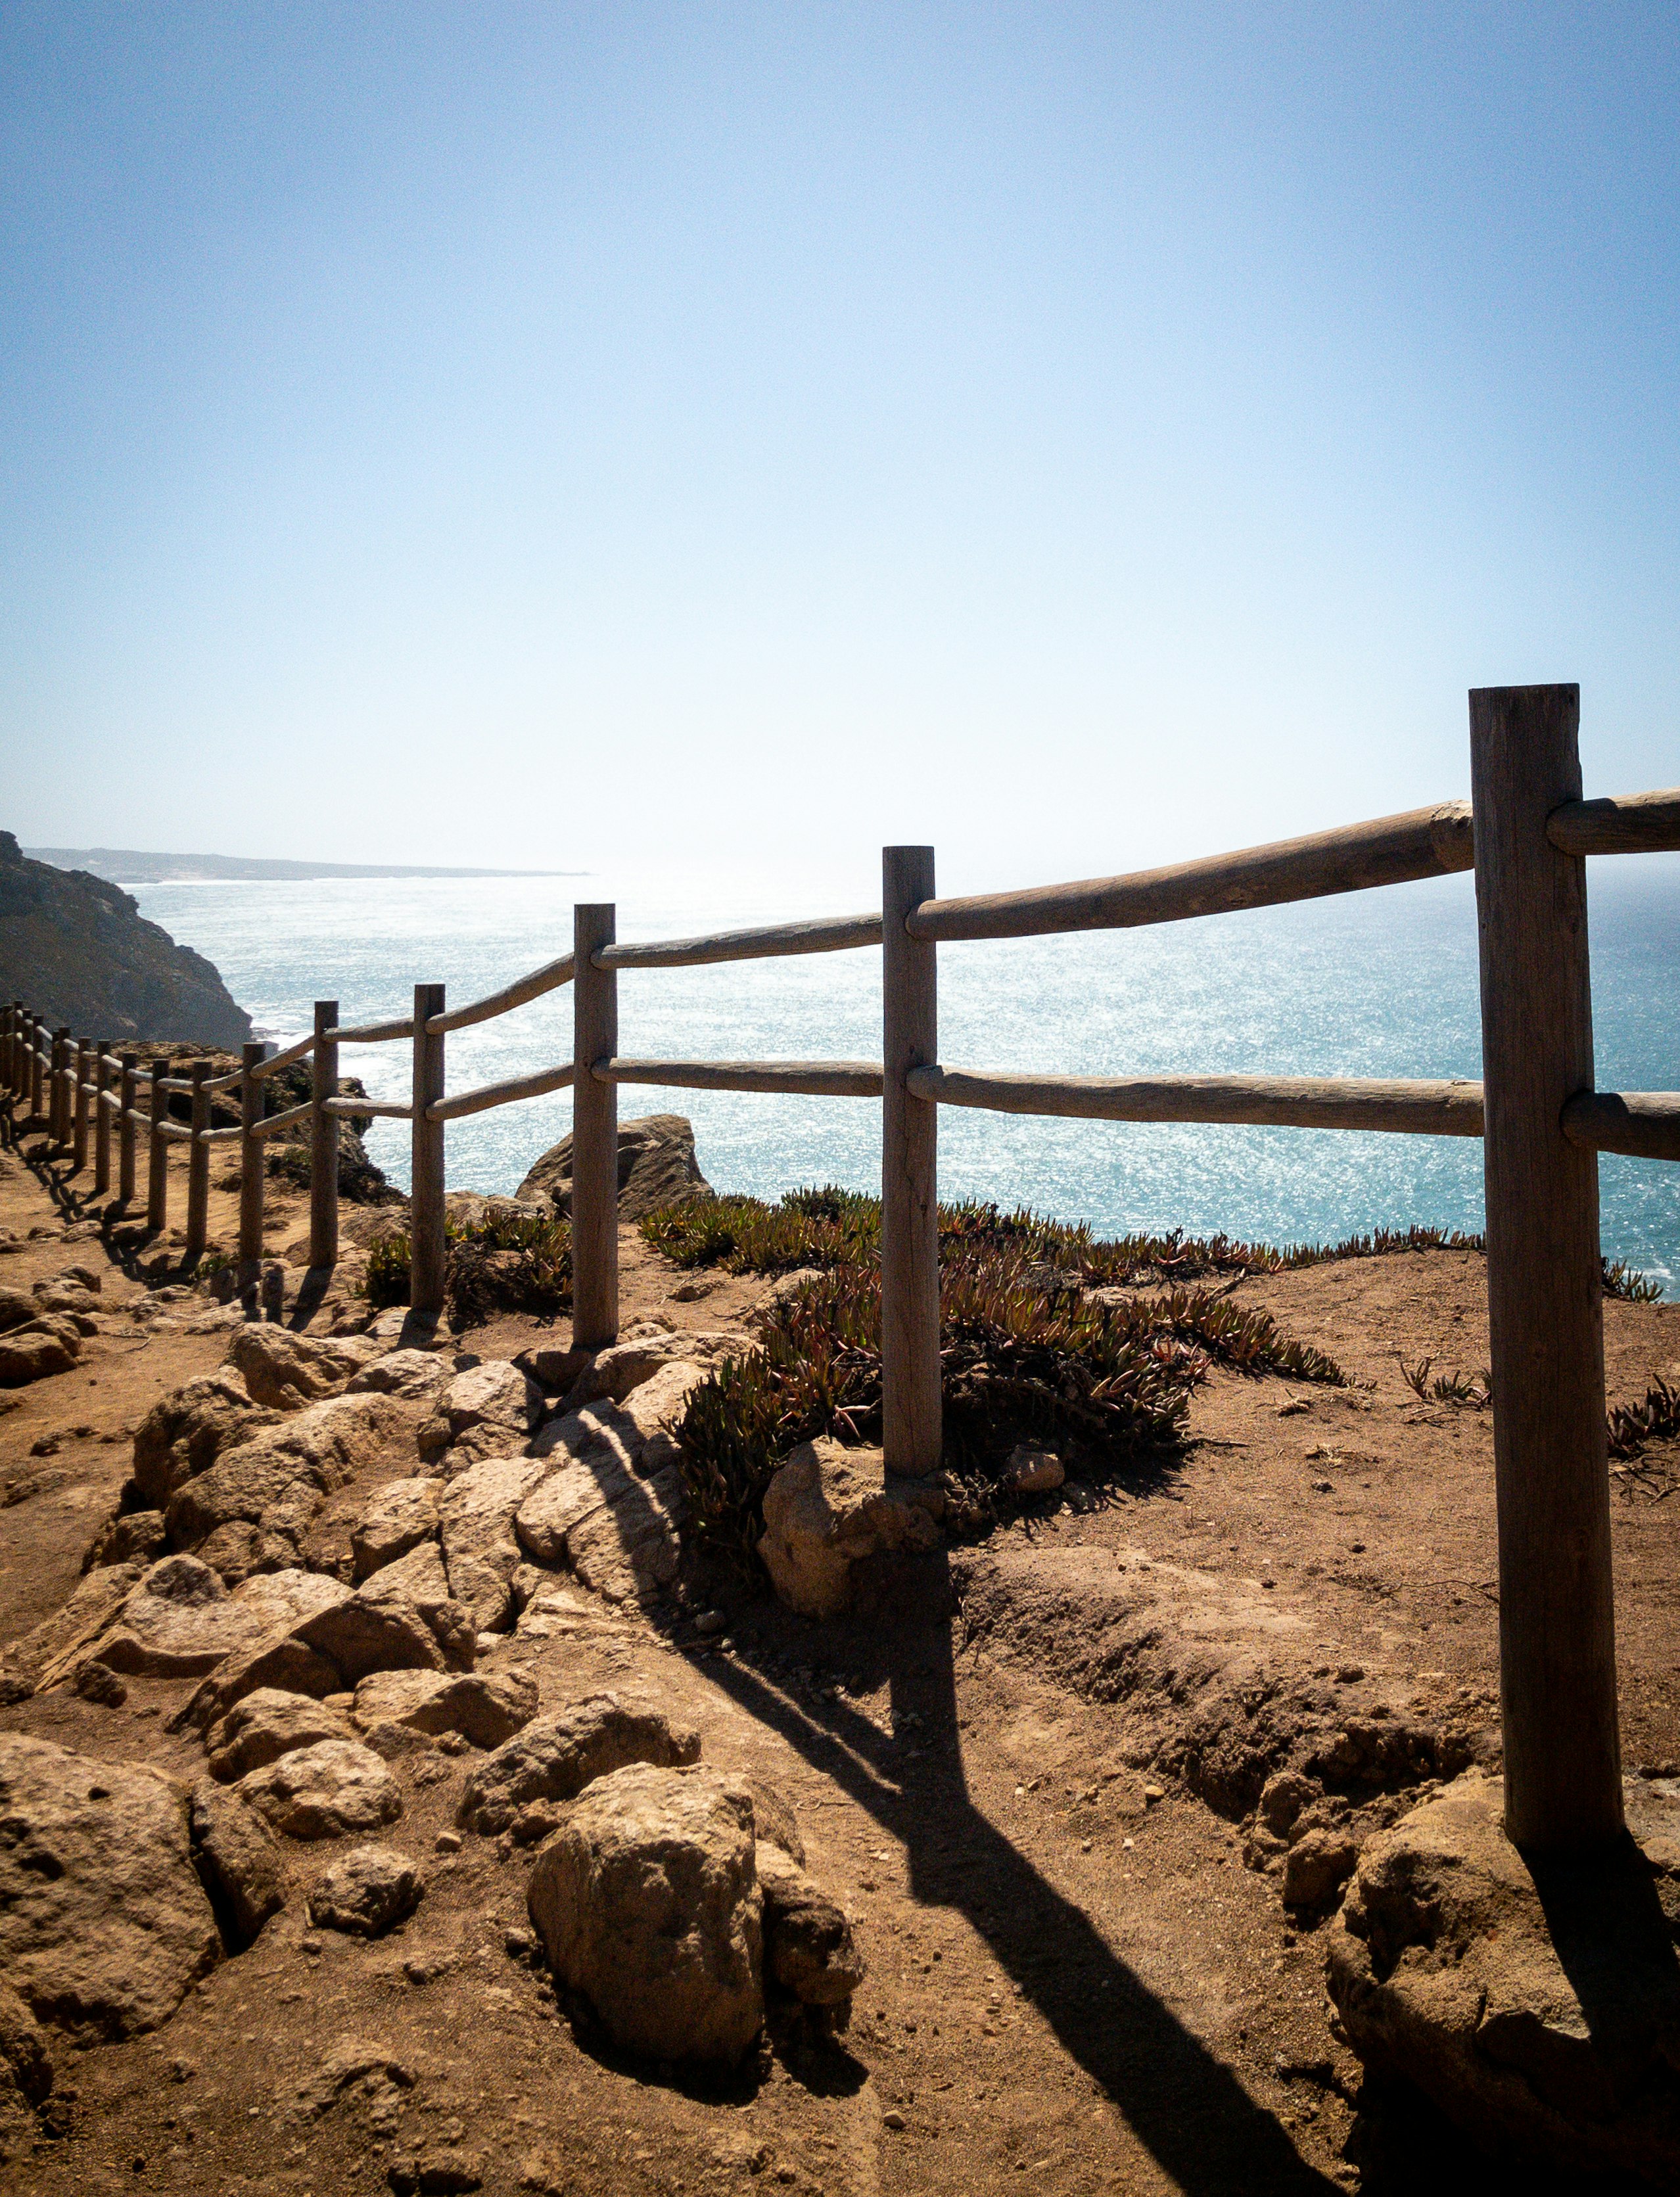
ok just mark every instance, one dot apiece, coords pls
pixel 911 1433
pixel 37 1031
pixel 157 1155
pixel 428 1249
pixel 8 1051
pixel 594 1131
pixel 250 1176
pixel 80 1063
pixel 60 1103
pixel 126 1129
pixel 102 1120
pixel 1557 1648
pixel 324 1138
pixel 198 1166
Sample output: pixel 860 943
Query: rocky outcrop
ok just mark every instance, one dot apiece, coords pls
pixel 1536 2001
pixel 79 951
pixel 826 1510
pixel 556 1756
pixel 647 1902
pixel 657 1167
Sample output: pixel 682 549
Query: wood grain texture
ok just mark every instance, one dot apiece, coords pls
pixel 198 1166
pixel 830 934
pixel 102 1123
pixel 428 1249
pixel 816 1079
pixel 1433 1109
pixel 127 1132
pixel 351 1110
pixel 274 1123
pixel 507 1093
pixel 1643 1123
pixel 324 1138
pixel 81 1063
pixel 252 1185
pixel 1637 824
pixel 157 1152
pixel 594 1133
pixel 1557 1618
pixel 911 1416
pixel 1424 843
pixel 519 993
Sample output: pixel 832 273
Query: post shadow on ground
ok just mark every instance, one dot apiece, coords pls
pixel 1186 2109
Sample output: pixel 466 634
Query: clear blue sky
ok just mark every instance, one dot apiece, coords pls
pixel 1075 435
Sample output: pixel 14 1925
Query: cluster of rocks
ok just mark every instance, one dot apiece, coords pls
pixel 42 1328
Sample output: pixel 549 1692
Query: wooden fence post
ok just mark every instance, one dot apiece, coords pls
pixel 198 1167
pixel 324 1139
pixel 911 1433
pixel 37 1032
pixel 125 1129
pixel 595 1132
pixel 79 1064
pixel 8 1051
pixel 157 1155
pixel 101 1120
pixel 252 1181
pixel 60 1103
pixel 428 1247
pixel 1557 1649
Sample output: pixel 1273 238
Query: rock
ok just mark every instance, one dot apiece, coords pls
pixel 626 1364
pixel 1538 2003
pixel 17 1309
pixel 1316 1867
pixel 808 1946
pixel 33 1352
pixel 485 1709
pixel 57 1645
pixel 496 1393
pixel 286 1370
pixel 127 1538
pixel 773 1820
pixel 278 1481
pixel 372 2071
pixel 26 2064
pixel 403 1619
pixel 826 1509
pixel 554 1368
pixel 631 1549
pixel 647 1902
pixel 481 1550
pixel 606 1510
pixel 94 1683
pixel 406 1373
pixel 238 1861
pixel 657 1167
pixel 556 1756
pixel 398 1517
pixel 104 1925
pixel 1032 1471
pixel 266 1725
pixel 442 2173
pixel 184 1433
pixel 365 1893
pixel 324 1791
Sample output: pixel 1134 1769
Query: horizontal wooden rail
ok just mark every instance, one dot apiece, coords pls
pixel 520 993
pixel 1637 824
pixel 221 1136
pixel 499 1094
pixel 173 1083
pixel 276 1061
pixel 174 1131
pixel 814 1078
pixel 373 1032
pixel 1644 1123
pixel 1390 851
pixel 278 1121
pixel 1287 1102
pixel 398 1110
pixel 829 934
pixel 229 1082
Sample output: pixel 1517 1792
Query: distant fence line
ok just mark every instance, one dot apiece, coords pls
pixel 1525 833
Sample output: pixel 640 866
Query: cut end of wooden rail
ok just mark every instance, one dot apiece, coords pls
pixel 1645 1124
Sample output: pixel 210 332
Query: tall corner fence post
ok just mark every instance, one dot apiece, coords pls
pixel 102 1120
pixel 427 1249
pixel 157 1155
pixel 81 1063
pixel 1557 1652
pixel 912 1432
pixel 594 1131
pixel 324 1139
pixel 59 1103
pixel 128 1094
pixel 252 1179
pixel 198 1166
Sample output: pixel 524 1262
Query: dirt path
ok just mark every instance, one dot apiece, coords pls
pixel 1033 1785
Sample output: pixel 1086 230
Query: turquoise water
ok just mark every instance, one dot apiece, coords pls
pixel 1381 983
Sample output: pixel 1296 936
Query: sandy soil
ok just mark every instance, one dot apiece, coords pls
pixel 1076 1982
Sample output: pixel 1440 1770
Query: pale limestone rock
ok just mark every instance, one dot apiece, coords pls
pixel 826 1509
pixel 486 1708
pixel 266 1725
pixel 410 1374
pixel 555 1757
pixel 398 1517
pixel 285 1371
pixel 481 1550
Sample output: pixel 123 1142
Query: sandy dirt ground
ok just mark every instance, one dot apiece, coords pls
pixel 1011 1770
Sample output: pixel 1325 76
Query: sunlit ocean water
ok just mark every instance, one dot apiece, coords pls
pixel 1381 983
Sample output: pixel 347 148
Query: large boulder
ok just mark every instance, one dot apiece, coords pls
pixel 286 1370
pixel 266 1725
pixel 398 1517
pixel 613 1506
pixel 628 1365
pixel 324 1791
pixel 46 1346
pixel 481 1550
pixel 185 1432
pixel 403 1619
pixel 495 1400
pixel 1536 2000
pixel 647 1902
pixel 179 1621
pixel 408 1372
pixel 486 1708
pixel 237 1859
pixel 827 1509
pixel 555 1757
pixel 104 1925
pixel 657 1167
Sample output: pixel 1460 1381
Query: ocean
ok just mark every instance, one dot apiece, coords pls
pixel 1379 983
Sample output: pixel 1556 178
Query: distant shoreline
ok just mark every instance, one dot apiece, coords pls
pixel 127 866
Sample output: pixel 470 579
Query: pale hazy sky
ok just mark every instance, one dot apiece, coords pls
pixel 1075 435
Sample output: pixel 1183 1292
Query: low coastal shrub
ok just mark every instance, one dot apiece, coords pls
pixel 496 1262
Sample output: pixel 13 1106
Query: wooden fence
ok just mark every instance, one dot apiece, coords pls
pixel 1526 832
